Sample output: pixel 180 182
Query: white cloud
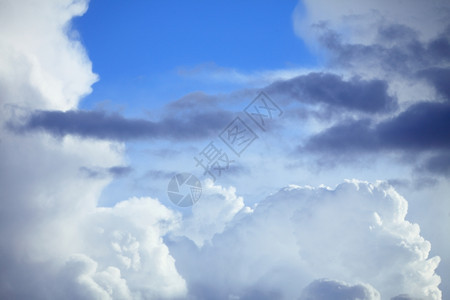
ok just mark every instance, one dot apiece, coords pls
pixel 51 229
pixel 358 23
pixel 56 243
pixel 354 233
pixel 129 238
pixel 80 279
pixel 325 289
pixel 40 67
pixel 43 192
pixel 210 216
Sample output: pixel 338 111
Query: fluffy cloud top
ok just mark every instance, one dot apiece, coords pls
pixel 40 67
pixel 328 289
pixel 356 233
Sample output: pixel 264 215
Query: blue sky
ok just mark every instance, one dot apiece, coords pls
pixel 137 49
pixel 343 192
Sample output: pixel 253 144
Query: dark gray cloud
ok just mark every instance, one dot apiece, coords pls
pixel 399 50
pixel 437 164
pixel 356 94
pixel 422 127
pixel 347 136
pixel 395 33
pixel 421 133
pixel 439 78
pixel 119 171
pixel 102 125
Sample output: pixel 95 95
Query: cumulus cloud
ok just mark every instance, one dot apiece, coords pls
pixel 127 239
pixel 56 242
pixel 80 279
pixel 406 45
pixel 43 193
pixel 212 216
pixel 354 233
pixel 324 289
pixel 40 67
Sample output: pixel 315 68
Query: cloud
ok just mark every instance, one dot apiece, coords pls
pixel 43 194
pixel 114 127
pixel 416 184
pixel 193 101
pixel 439 78
pixel 119 170
pixel 422 127
pixel 404 297
pixel 212 72
pixel 302 233
pixel 116 171
pixel 355 94
pixel 56 243
pixel 407 46
pixel 403 53
pixel 211 216
pixel 158 175
pixel 81 279
pixel 382 40
pixel 127 239
pixel 437 164
pixel 40 67
pixel 359 21
pixel 325 289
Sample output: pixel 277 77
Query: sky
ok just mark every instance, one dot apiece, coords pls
pixel 225 150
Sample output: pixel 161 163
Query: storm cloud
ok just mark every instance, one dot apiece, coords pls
pixel 423 126
pixel 399 50
pixel 106 126
pixel 354 94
